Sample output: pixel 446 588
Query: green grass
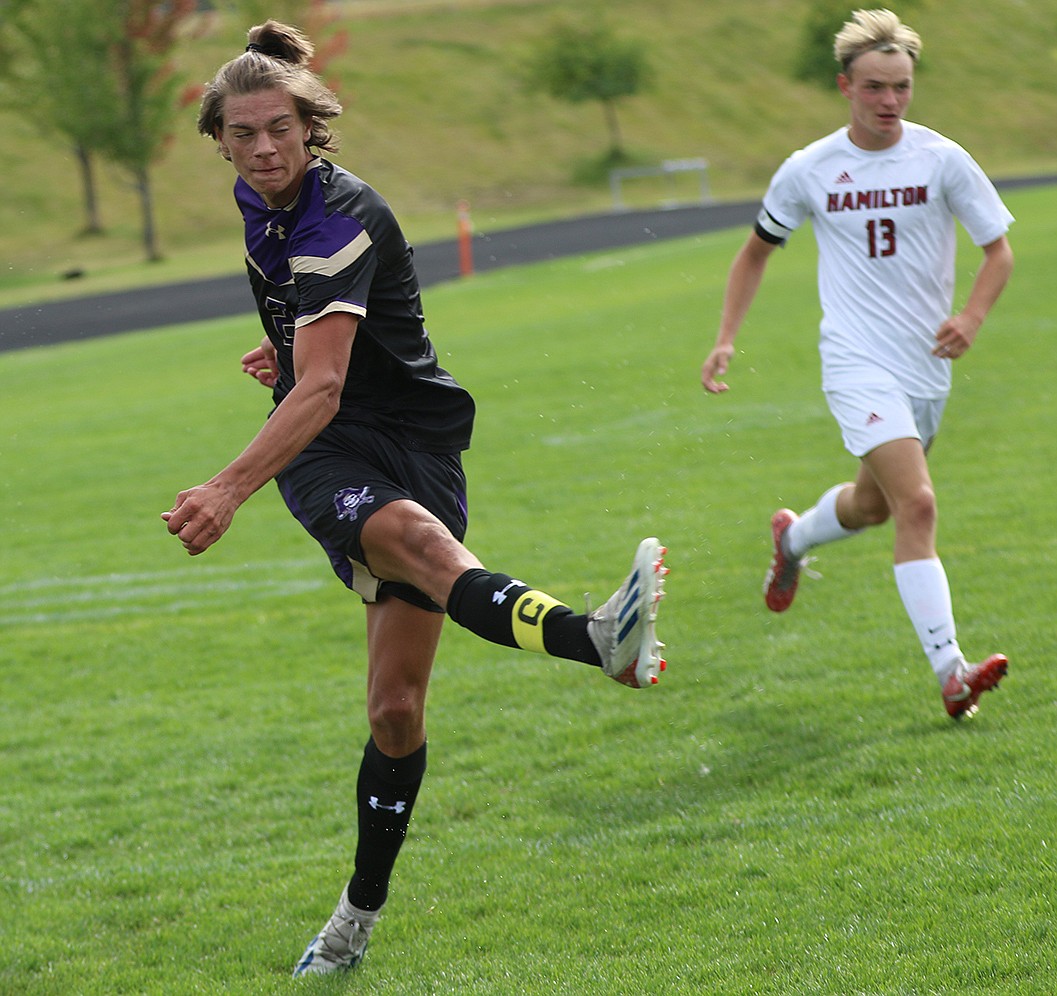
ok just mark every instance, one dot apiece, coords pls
pixel 435 114
pixel 789 812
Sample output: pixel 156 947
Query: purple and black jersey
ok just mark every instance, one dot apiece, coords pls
pixel 338 247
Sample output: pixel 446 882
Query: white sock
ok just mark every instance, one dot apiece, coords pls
pixel 818 525
pixel 926 596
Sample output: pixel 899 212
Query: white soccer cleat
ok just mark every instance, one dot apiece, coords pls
pixel 341 944
pixel 624 630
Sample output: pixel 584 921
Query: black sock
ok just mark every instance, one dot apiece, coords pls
pixel 385 795
pixel 510 613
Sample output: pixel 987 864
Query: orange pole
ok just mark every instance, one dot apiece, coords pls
pixel 465 240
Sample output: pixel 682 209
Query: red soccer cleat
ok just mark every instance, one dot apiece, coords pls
pixel 963 689
pixel 779 587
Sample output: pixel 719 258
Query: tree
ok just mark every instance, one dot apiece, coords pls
pixel 98 73
pixel 815 62
pixel 581 63
pixel 55 74
pixel 148 94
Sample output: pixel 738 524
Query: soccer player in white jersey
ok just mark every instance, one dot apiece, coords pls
pixel 882 195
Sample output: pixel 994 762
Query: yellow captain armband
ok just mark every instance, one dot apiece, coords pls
pixel 527 619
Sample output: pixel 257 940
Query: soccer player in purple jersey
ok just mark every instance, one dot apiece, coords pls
pixel 882 195
pixel 364 442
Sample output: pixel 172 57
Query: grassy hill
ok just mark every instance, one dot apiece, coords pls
pixel 435 113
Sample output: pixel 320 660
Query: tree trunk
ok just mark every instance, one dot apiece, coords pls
pixel 92 223
pixel 146 200
pixel 616 141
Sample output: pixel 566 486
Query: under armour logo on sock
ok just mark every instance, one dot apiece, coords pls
pixel 400 806
pixel 499 597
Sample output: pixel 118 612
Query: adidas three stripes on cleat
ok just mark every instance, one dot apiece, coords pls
pixel 624 630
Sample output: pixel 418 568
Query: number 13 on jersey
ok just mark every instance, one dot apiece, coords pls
pixel 881 237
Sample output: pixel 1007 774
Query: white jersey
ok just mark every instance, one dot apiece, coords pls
pixel 884 222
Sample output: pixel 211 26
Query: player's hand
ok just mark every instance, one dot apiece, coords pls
pixel 715 365
pixel 955 336
pixel 201 516
pixel 261 364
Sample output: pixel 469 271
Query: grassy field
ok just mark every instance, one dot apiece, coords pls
pixel 435 113
pixel 789 812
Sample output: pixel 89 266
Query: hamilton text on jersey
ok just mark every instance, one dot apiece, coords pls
pixel 864 199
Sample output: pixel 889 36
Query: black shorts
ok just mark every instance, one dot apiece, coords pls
pixel 346 474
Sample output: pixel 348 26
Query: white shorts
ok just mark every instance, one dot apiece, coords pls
pixel 870 416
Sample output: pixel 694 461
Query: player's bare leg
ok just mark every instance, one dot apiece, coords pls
pixel 402 642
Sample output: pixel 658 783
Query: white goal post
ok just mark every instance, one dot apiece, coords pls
pixel 669 168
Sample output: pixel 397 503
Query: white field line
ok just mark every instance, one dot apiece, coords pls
pixel 761 416
pixel 69 599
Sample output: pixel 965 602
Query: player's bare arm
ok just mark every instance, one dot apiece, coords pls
pixel 956 335
pixel 746 275
pixel 203 514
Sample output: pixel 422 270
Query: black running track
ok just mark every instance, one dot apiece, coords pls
pixel 150 307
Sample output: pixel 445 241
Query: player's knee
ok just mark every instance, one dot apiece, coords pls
pixel 918 510
pixel 394 716
pixel 869 511
pixel 875 515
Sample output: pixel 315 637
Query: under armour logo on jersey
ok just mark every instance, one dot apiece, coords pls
pixel 873 418
pixel 348 501
pixel 845 177
pixel 399 807
pixel 271 229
